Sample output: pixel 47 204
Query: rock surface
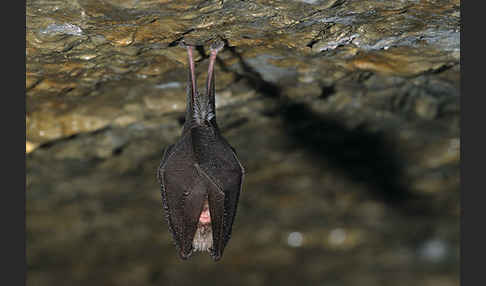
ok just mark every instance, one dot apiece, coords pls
pixel 345 114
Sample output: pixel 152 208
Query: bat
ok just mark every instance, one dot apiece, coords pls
pixel 200 175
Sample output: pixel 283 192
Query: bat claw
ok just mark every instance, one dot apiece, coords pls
pixel 217 46
pixel 183 44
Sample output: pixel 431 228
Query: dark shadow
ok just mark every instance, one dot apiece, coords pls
pixel 363 156
pixel 366 157
pixel 327 91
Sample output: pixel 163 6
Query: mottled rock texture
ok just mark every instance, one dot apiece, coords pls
pixel 345 114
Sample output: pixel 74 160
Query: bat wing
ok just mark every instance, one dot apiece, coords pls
pixel 183 193
pixel 192 169
pixel 216 200
pixel 226 174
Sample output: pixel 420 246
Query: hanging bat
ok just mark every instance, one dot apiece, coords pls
pixel 200 175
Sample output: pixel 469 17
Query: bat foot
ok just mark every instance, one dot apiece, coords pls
pixel 183 44
pixel 217 46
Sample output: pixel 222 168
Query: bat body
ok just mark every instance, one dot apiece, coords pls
pixel 200 175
